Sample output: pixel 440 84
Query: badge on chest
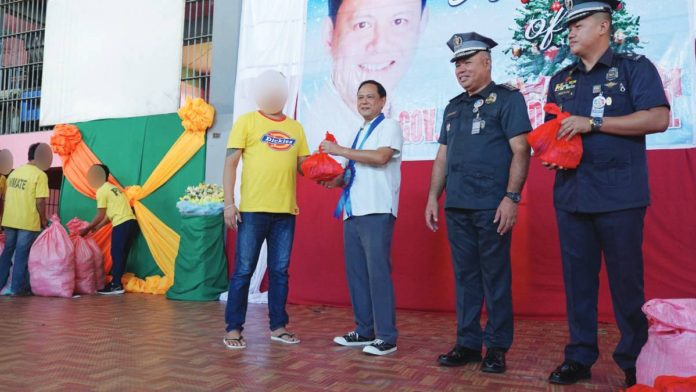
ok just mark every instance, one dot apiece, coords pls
pixel 565 89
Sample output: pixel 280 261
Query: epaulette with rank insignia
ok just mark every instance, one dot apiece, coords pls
pixel 458 96
pixel 567 68
pixel 509 86
pixel 630 56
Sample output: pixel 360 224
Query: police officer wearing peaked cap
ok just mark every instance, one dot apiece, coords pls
pixel 615 100
pixel 482 164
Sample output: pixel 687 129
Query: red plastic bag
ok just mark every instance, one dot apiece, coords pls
pixel 641 388
pixel 51 262
pixel 320 166
pixel 675 384
pixel 671 346
pixel 85 279
pixel 548 148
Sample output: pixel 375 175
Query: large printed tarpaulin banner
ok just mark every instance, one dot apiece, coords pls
pixel 401 43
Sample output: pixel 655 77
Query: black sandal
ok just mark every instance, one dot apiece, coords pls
pixel 283 338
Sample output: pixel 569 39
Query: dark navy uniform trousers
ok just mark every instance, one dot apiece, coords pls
pixel 481 259
pixel 618 236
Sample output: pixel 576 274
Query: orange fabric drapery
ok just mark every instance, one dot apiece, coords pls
pixel 77 158
pixel 163 242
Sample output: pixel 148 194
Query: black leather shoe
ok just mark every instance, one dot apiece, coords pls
pixel 570 372
pixel 630 377
pixel 459 356
pixel 494 362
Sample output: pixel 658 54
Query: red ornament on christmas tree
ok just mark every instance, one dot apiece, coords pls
pixel 524 1
pixel 619 6
pixel 556 6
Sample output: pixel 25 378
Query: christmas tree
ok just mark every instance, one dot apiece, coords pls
pixel 540 46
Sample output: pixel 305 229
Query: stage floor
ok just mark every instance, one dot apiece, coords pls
pixel 147 343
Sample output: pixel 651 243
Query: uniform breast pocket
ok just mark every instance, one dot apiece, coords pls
pixel 491 124
pixel 612 169
pixel 568 103
pixel 618 99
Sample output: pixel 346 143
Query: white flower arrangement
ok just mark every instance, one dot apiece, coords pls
pixel 203 199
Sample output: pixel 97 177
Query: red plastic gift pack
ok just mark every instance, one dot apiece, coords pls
pixel 52 263
pixel 85 277
pixel 564 153
pixel 667 384
pixel 675 384
pixel 320 166
pixel 671 346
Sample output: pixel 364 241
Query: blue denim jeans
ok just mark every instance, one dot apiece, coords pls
pixel 121 240
pixel 278 230
pixel 17 244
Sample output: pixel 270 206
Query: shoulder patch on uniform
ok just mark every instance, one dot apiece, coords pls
pixel 509 86
pixel 631 56
pixel 567 68
pixel 457 97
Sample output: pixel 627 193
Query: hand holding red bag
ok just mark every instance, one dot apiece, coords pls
pixel 547 147
pixel 320 166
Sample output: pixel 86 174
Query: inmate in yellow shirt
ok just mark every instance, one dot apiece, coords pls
pixel 118 210
pixel 24 186
pixel 269 162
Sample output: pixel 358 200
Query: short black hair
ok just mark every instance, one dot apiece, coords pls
pixel 107 172
pixel 32 151
pixel 380 89
pixel 334 5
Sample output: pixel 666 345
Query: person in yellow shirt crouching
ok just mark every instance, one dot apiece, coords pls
pixel 112 205
pixel 24 216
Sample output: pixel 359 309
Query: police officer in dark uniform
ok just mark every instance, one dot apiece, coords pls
pixel 615 100
pixel 482 162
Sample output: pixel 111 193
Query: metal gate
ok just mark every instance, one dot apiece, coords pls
pixel 22 24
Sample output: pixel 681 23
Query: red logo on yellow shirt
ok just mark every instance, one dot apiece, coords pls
pixel 278 141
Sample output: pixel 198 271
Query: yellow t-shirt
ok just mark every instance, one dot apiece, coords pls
pixel 3 183
pixel 269 162
pixel 24 186
pixel 118 210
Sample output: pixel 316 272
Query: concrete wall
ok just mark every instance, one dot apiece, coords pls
pixel 226 28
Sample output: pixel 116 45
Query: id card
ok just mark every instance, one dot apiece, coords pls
pixel 477 126
pixel 598 104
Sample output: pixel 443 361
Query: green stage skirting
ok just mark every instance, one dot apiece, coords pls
pixel 200 271
pixel 132 148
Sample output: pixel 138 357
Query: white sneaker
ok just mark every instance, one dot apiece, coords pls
pixel 352 339
pixel 380 347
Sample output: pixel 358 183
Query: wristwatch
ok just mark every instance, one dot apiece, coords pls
pixel 514 196
pixel 596 123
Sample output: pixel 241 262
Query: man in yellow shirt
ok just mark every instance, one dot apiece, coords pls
pixel 24 216
pixel 272 147
pixel 112 206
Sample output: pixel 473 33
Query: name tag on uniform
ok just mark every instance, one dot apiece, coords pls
pixel 477 126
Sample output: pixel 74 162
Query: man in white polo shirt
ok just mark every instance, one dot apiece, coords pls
pixel 369 206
